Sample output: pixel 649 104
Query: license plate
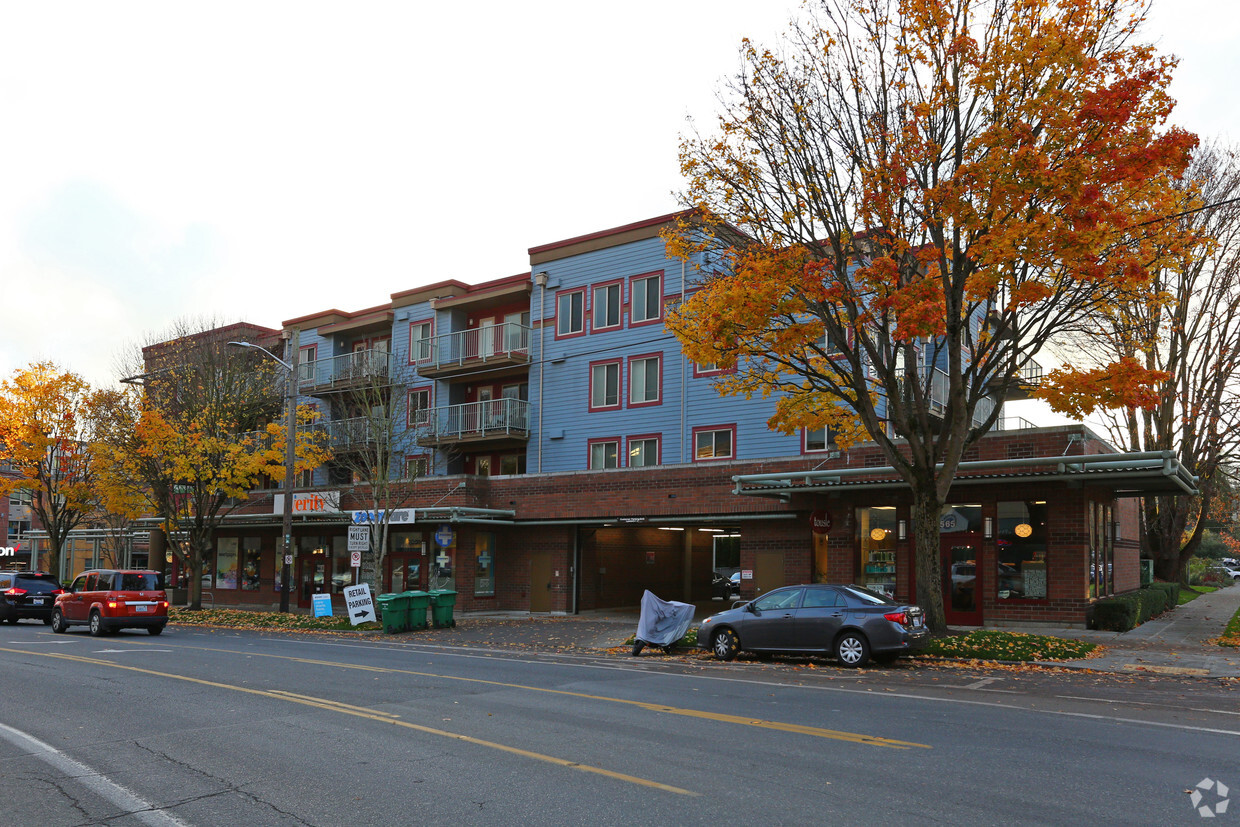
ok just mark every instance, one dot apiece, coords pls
pixel 142 608
pixel 38 601
pixel 917 622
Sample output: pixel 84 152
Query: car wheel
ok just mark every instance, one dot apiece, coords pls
pixel 96 624
pixel 726 645
pixel 852 650
pixel 58 622
pixel 155 630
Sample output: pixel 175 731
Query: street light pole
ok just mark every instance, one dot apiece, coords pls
pixel 290 456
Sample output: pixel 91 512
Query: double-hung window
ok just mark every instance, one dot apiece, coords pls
pixel 605 306
pixel 645 379
pixel 646 299
pixel 714 443
pixel 819 439
pixel 604 453
pixel 570 312
pixel 604 385
pixel 643 451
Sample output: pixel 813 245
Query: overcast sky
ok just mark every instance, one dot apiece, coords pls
pixel 259 161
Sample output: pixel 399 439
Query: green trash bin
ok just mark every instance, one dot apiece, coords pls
pixel 442 601
pixel 394 612
pixel 419 601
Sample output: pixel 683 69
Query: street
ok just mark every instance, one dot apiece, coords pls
pixel 210 727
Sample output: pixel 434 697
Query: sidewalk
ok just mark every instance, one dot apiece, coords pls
pixel 1174 643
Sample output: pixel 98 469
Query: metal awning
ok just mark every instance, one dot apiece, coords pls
pixel 1149 472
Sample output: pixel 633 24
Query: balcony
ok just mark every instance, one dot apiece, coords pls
pixel 350 371
pixel 495 422
pixel 505 345
pixel 939 387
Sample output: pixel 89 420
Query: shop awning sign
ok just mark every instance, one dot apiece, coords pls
pixel 361 606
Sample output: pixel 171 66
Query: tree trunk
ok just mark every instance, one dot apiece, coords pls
pixel 926 511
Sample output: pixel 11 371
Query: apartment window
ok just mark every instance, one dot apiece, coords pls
pixel 643 451
pixel 647 299
pixel 419 407
pixel 421 347
pixel 606 306
pixel 569 313
pixel 604 385
pixel 819 439
pixel 717 442
pixel 305 364
pixel 604 453
pixel 418 465
pixel 512 464
pixel 645 379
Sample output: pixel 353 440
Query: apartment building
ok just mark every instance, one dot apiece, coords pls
pixel 558 453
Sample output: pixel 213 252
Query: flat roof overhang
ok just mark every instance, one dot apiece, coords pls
pixel 1127 475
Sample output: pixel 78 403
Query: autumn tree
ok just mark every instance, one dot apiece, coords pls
pixel 903 202
pixel 200 430
pixel 1192 338
pixel 46 424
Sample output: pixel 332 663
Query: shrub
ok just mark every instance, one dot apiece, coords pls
pixel 1172 590
pixel 1116 614
pixel 1152 602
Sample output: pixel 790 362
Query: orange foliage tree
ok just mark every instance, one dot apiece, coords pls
pixel 906 200
pixel 46 424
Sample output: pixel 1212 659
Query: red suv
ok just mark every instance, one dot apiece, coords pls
pixel 112 599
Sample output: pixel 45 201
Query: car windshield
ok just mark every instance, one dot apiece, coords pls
pixel 138 582
pixel 868 596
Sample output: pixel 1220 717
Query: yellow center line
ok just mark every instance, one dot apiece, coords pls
pixel 799 729
pixel 361 712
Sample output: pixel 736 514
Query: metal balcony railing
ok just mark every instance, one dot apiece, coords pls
pixel 488 418
pixel 510 341
pixel 356 369
pixel 939 387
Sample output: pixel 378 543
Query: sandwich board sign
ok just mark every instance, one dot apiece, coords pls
pixel 361 606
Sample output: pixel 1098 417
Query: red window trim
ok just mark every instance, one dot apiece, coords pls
pixel 430 403
pixel 412 344
pixel 555 316
pixel 425 456
pixel 589 312
pixel 662 298
pixel 704 429
pixel 590 443
pixel 620 394
pixel 656 437
pixel 629 391
pixel 716 372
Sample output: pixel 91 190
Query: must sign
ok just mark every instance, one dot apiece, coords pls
pixel 359 537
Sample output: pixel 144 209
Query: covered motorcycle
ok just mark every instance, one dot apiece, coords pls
pixel 661 622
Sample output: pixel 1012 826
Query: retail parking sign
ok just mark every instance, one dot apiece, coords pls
pixel 361 607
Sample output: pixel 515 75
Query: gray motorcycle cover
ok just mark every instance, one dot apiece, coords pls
pixel 663 622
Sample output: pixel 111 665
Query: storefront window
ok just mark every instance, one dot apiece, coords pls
pixel 484 564
pixel 226 563
pixel 443 563
pixel 876 534
pixel 1101 551
pixel 342 572
pixel 251 556
pixel 1021 550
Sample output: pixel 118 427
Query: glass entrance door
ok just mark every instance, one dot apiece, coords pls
pixel 313 577
pixel 961 582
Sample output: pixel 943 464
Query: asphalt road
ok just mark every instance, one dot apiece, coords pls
pixel 218 728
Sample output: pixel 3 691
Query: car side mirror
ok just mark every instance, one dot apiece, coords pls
pixel 751 608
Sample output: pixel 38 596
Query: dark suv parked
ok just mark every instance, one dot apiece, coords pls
pixel 28 594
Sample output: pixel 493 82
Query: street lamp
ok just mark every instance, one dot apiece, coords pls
pixel 290 425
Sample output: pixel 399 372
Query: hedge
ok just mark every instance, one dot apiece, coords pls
pixel 1127 611
pixel 1172 590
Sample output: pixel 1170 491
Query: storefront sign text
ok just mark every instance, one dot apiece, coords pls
pixel 396 515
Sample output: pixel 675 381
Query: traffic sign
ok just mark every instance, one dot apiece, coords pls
pixel 444 536
pixel 359 538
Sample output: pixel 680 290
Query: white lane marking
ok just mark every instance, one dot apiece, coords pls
pixel 126 651
pixel 129 801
